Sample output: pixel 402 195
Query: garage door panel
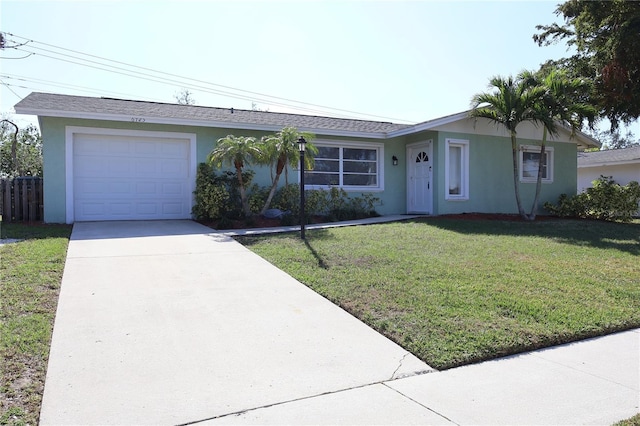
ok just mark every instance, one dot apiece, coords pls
pixel 146 167
pixel 129 178
pixel 118 167
pixel 173 168
pixel 118 148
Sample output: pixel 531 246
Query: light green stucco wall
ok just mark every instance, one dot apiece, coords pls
pixel 491 187
pixel 392 200
pixel 490 167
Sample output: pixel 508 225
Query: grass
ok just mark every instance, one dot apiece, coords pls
pixel 31 272
pixel 454 292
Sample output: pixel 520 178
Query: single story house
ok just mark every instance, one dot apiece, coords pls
pixel 114 159
pixel 621 164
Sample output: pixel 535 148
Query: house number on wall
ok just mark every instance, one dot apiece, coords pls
pixel 137 120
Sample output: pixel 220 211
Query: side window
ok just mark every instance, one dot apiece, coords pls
pixel 529 157
pixel 457 169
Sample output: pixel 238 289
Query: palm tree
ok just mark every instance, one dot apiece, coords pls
pixel 236 151
pixel 563 104
pixel 281 150
pixel 511 102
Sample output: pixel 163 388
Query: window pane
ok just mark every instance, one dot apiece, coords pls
pixel 311 178
pixel 530 165
pixel 328 152
pixel 359 180
pixel 359 167
pixel 455 170
pixel 326 166
pixel 359 154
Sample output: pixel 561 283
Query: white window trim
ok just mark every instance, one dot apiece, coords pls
pixel 464 179
pixel 349 188
pixel 536 149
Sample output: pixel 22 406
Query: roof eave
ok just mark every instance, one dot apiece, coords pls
pixel 199 123
pixel 428 125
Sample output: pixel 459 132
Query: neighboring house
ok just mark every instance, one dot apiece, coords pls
pixel 112 159
pixel 623 165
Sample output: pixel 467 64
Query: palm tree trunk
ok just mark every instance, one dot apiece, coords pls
pixel 272 192
pixel 534 207
pixel 243 194
pixel 516 184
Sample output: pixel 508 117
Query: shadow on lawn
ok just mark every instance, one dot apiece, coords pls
pixel 624 237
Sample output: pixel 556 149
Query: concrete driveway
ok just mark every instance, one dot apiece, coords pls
pixel 169 322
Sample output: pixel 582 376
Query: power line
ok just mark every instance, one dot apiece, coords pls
pixel 163 80
pixel 160 80
pixel 10 89
pixel 70 86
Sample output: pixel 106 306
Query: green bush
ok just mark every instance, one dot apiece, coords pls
pixel 257 197
pixel 218 196
pixel 606 200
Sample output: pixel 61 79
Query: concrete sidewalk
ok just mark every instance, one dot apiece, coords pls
pixel 170 322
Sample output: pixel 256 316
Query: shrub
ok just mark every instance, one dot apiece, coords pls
pixel 257 197
pixel 218 196
pixel 210 195
pixel 606 200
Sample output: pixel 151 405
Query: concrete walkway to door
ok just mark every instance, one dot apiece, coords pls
pixel 170 322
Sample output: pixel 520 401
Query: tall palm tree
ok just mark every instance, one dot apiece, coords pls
pixel 236 151
pixel 563 102
pixel 281 150
pixel 511 102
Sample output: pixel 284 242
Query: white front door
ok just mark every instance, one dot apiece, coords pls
pixel 419 192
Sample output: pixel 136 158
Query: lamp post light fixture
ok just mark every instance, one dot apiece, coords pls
pixel 301 146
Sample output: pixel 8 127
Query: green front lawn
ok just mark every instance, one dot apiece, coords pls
pixel 456 291
pixel 30 275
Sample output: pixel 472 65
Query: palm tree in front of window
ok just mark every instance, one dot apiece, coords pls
pixel 564 102
pixel 236 151
pixel 511 102
pixel 281 150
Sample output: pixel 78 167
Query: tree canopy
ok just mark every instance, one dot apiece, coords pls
pixel 20 150
pixel 606 36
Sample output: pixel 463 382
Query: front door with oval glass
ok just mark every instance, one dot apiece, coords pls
pixel 419 191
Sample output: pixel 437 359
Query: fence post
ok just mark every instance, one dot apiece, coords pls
pixel 5 189
pixel 25 199
pixel 40 199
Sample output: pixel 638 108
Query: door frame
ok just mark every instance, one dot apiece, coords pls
pixel 428 144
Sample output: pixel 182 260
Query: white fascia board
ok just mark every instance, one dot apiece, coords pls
pixel 196 123
pixel 429 125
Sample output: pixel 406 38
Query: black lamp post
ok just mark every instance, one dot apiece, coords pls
pixel 301 146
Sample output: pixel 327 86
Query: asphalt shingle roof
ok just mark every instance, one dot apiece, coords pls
pixel 631 154
pixel 56 104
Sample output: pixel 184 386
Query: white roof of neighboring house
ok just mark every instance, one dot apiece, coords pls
pixel 628 155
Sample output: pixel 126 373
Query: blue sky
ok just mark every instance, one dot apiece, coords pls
pixel 394 60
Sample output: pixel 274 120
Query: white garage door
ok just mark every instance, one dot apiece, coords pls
pixel 131 178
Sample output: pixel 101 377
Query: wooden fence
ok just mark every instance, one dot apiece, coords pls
pixel 21 199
